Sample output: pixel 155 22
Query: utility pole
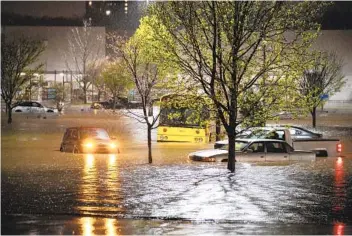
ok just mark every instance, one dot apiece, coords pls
pixel 63 86
pixel 71 87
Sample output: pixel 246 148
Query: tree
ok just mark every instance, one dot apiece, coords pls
pixel 323 78
pixel 231 48
pixel 60 93
pixel 17 57
pixel 146 64
pixel 94 71
pixel 116 79
pixel 84 51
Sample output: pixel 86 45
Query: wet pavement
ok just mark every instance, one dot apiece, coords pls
pixel 44 191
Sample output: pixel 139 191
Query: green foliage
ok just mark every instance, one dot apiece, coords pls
pixel 17 57
pixel 184 109
pixel 116 78
pixel 323 75
pixel 238 52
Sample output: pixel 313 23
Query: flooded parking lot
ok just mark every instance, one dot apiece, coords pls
pixel 46 191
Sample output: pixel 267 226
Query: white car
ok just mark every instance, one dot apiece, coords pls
pixel 258 150
pixel 32 107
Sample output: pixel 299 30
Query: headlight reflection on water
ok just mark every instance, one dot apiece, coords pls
pixel 87 226
pixel 89 162
pixel 98 226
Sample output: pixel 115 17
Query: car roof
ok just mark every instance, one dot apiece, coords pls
pixel 85 127
pixel 259 140
pixel 293 126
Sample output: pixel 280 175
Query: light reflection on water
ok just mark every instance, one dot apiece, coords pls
pixel 339 187
pixel 90 226
pixel 99 186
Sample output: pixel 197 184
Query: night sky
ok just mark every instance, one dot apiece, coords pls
pixel 70 9
pixel 338 16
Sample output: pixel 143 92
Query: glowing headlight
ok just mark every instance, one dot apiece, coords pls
pixel 88 145
pixel 112 145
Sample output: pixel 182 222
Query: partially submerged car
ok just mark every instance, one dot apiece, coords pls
pixel 297 137
pixel 32 107
pixel 88 140
pixel 258 150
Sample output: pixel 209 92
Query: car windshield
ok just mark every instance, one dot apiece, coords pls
pixel 94 133
pixel 258 133
pixel 239 145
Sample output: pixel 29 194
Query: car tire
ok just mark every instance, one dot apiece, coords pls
pixel 18 111
pixel 61 149
pixel 49 111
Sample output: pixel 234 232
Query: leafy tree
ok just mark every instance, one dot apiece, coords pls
pixel 324 77
pixel 84 52
pixel 146 63
pixel 116 79
pixel 233 48
pixel 17 57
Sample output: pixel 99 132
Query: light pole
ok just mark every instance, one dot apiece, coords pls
pixel 63 86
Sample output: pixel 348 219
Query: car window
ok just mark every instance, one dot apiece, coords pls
pixel 67 134
pixel 94 133
pixel 275 147
pixel 74 134
pixel 257 147
pixel 25 104
pixel 239 145
pixel 34 104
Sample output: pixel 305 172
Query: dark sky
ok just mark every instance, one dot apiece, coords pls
pixel 338 16
pixel 69 9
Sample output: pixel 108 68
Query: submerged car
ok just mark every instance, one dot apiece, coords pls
pixel 32 107
pixel 298 132
pixel 295 133
pixel 88 140
pixel 258 150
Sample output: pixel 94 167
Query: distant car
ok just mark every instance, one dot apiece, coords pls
pixel 284 115
pixel 258 150
pixel 32 107
pixel 120 103
pixel 88 140
pixel 100 105
pixel 298 132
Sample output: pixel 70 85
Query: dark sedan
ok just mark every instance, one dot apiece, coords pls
pixel 88 140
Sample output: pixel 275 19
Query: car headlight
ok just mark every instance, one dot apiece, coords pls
pixel 112 145
pixel 88 145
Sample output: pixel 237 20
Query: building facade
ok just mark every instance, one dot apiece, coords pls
pixel 340 42
pixel 60 66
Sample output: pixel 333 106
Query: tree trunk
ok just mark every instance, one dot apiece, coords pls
pixel 85 94
pixel 231 158
pixel 9 113
pixel 217 128
pixel 150 160
pixel 113 103
pixel 99 95
pixel 314 116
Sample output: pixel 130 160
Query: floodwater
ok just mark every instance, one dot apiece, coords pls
pixel 44 191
